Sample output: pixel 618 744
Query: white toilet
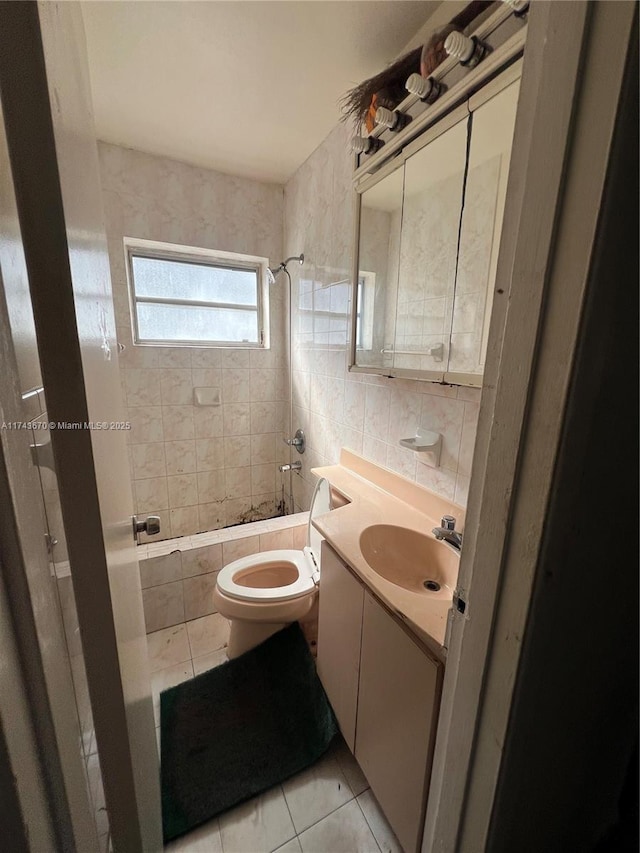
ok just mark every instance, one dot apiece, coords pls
pixel 265 592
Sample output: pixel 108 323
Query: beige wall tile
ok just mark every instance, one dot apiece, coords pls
pixel 211 486
pixel 236 385
pixel 263 479
pixel 212 516
pixel 176 386
pixel 199 561
pixel 183 490
pixel 148 461
pixel 277 540
pixel 198 595
pixel 238 548
pixel 151 494
pixel 159 570
pixel 142 387
pixel 210 454
pixel 146 424
pixel 177 422
pixel 181 457
pixel 163 606
pixel 237 482
pixel 184 520
pixel 236 418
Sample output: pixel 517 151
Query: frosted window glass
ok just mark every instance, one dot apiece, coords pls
pixel 160 278
pixel 157 322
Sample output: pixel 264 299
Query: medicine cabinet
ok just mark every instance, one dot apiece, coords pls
pixel 427 238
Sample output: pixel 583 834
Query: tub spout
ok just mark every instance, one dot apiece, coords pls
pixel 294 466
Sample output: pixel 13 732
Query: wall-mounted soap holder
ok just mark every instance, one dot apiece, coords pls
pixel 428 444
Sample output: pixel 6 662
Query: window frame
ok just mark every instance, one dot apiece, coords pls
pixel 155 250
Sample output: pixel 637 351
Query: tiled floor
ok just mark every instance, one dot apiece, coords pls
pixel 327 808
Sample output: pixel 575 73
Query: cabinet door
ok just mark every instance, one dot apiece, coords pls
pixel 339 629
pixel 399 690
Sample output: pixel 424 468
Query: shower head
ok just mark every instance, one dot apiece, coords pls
pixel 273 273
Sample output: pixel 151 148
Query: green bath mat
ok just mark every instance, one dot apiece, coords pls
pixel 239 729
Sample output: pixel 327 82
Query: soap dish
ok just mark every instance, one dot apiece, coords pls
pixel 425 442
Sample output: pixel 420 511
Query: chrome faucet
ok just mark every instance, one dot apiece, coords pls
pixel 447 532
pixel 294 466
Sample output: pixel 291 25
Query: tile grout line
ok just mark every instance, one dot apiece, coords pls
pixel 295 835
pixel 367 822
pixel 315 823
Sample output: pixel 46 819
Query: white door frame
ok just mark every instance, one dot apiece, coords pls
pixel 54 160
pixel 568 103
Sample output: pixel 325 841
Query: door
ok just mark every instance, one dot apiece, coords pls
pixel 566 114
pixel 397 711
pixel 339 628
pixel 52 146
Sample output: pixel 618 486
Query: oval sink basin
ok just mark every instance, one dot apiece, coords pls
pixel 409 559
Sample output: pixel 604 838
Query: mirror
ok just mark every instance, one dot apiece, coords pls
pixel 485 194
pixel 434 183
pixel 379 254
pixel 427 249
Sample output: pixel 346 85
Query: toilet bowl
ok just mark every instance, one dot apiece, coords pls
pixel 263 593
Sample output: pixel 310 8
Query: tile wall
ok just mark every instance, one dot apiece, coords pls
pixel 367 414
pixel 198 468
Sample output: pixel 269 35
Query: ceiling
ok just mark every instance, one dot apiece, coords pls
pixel 247 87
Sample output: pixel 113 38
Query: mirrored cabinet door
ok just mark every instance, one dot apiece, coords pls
pixel 492 128
pixel 379 253
pixel 433 193
pixel 427 244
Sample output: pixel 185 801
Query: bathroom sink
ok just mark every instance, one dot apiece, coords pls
pixel 409 559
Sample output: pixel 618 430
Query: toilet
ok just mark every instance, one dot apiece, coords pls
pixel 265 592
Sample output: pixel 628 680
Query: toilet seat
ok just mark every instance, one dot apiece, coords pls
pixel 301 561
pixel 305 563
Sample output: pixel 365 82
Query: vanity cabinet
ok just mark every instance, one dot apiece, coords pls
pixel 385 690
pixel 339 630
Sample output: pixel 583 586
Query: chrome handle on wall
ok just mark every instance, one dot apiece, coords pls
pixel 298 441
pixel 150 526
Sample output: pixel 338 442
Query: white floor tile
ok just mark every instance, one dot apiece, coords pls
pixel 163 679
pixel 350 767
pixel 205 662
pixel 257 826
pixel 316 792
pixel 292 846
pixel 168 646
pixel 204 839
pixel 378 824
pixel 207 634
pixel 343 831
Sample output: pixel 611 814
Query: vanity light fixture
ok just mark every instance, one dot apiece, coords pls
pixel 391 119
pixel 426 88
pixel 365 144
pixel 468 50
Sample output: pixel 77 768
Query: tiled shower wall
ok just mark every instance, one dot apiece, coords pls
pixel 365 413
pixel 198 468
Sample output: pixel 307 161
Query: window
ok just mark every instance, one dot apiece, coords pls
pixel 182 296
